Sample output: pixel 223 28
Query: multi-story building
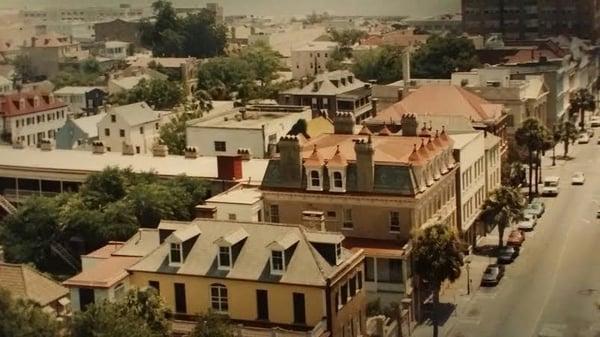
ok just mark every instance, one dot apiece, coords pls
pixel 5 85
pixel 49 51
pixel 332 92
pixel 78 133
pixel 311 59
pixel 374 188
pixel 30 117
pixel 83 100
pixel 118 30
pixel 260 275
pixel 133 126
pixel 239 203
pixel 518 19
pixel 254 130
pixel 85 14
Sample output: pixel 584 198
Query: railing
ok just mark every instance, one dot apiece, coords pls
pixel 382 326
pixel 64 254
pixel 246 331
pixel 11 194
pixel 6 205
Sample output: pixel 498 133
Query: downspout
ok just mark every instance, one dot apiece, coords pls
pixel 328 311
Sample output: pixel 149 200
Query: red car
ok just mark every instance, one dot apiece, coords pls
pixel 515 238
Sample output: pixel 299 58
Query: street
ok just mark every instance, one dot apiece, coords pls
pixel 553 288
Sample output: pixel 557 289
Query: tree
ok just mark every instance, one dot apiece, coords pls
pixel 158 93
pixel 443 55
pixel 382 64
pixel 22 318
pixel 263 61
pixel 437 257
pixel 221 76
pixel 501 208
pixel 202 36
pixel 148 305
pixel 87 73
pixel 347 38
pixel 150 204
pixel 212 325
pixel 566 133
pixel 299 128
pixel 102 188
pixel 172 134
pixel 23 68
pixel 531 136
pixel 581 101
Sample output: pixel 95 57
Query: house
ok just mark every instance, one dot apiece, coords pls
pixel 24 282
pixel 332 92
pixel 28 117
pixel 262 276
pixel 253 130
pixel 403 38
pixel 184 69
pixel 48 52
pixel 115 50
pixel 104 273
pixel 128 78
pixel 311 59
pixel 118 30
pixel 9 49
pixel 239 203
pixel 5 85
pixel 133 126
pixel 376 188
pixel 83 100
pixel 78 133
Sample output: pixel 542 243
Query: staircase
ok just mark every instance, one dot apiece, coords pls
pixel 64 254
pixel 6 205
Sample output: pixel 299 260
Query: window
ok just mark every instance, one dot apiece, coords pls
pixel 155 285
pixel 331 214
pixel 220 146
pixel 141 130
pixel 107 132
pixel 113 118
pixel 359 281
pixel 338 251
pixel 315 178
pixel 277 261
pixel 337 180
pixel 224 257
pixel 180 300
pixel 275 213
pixel 108 149
pixel 232 216
pixel 262 304
pixel 347 221
pixel 299 308
pixel 394 221
pixel 137 149
pixel 156 126
pixel 175 254
pixel 121 133
pixel 352 285
pixel 218 298
pixel 369 269
pixel 344 293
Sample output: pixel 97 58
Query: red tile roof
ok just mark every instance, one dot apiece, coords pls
pixel 23 103
pixel 51 40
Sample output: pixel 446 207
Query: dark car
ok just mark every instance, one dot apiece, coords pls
pixel 492 275
pixel 515 238
pixel 507 254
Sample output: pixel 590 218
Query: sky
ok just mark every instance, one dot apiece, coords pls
pixel 414 8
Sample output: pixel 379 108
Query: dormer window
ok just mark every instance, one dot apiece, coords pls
pixel 224 258
pixel 337 172
pixel 338 252
pixel 315 179
pixel 175 255
pixel 277 262
pixel 338 182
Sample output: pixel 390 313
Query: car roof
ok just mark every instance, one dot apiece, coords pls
pixel 552 178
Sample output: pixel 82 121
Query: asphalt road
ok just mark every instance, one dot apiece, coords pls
pixel 553 288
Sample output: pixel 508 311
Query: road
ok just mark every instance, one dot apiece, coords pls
pixel 553 288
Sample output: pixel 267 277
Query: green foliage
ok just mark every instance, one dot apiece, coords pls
pixel 212 325
pixel 86 73
pixel 172 74
pixel 347 38
pixel 532 135
pixel 581 101
pixel 108 319
pixel 502 207
pixel 23 68
pixel 443 55
pixel 196 35
pixel 148 305
pixel 299 128
pixel 382 64
pixel 172 133
pixel 20 318
pixel 159 93
pixel 263 62
pixel 565 132
pixel 103 188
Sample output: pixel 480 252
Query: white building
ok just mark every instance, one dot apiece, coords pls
pixel 31 116
pixel 256 128
pixel 115 50
pixel 135 124
pixel 310 59
pixel 240 203
pixel 5 85
pixel 83 100
pixel 469 151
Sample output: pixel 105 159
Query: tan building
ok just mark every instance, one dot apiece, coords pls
pixel 48 52
pixel 375 189
pixel 260 275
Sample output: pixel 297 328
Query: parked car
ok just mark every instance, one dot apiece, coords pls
pixel 590 132
pixel 551 186
pixel 507 254
pixel 528 222
pixel 515 238
pixel 595 121
pixel 578 178
pixel 538 202
pixel 583 138
pixel 492 275
pixel 535 209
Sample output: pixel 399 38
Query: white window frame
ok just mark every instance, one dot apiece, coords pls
pixel 180 249
pixel 271 217
pixel 332 186
pixel 219 299
pixel 229 255
pixel 309 179
pixel 278 271
pixel 338 253
pixel 392 230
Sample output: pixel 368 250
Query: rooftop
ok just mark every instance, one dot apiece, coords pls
pixel 136 113
pixel 27 102
pixel 255 117
pixel 27 283
pixel 89 124
pixel 330 83
pixel 79 90
pixel 239 194
pixel 317 46
pixel 461 140
pixel 104 273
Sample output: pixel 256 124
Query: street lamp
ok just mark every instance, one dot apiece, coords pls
pixel 468 267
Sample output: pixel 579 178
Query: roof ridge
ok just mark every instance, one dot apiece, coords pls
pixel 312 249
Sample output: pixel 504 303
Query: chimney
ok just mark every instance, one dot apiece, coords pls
pixel 244 153
pixel 160 150
pixel 314 220
pixel 229 167
pixel 374 102
pixel 409 125
pixel 365 165
pixel 406 71
pixel 190 152
pixel 205 212
pixel 343 123
pixel 127 149
pixel 290 161
pixel 97 147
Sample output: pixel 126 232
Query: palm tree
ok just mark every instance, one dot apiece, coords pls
pixel 502 207
pixel 567 133
pixel 530 135
pixel 437 257
pixel 545 146
pixel 582 100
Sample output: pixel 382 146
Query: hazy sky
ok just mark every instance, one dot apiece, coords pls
pixel 279 7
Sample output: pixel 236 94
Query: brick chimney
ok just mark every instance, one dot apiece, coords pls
pixel 229 167
pixel 290 162
pixel 409 125
pixel 314 220
pixel 365 165
pixel 374 103
pixel 343 123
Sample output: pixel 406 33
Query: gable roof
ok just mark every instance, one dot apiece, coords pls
pixel 329 83
pixel 436 99
pixel 136 113
pixel 306 266
pixel 89 124
pixel 27 283
pixel 10 104
pixel 76 90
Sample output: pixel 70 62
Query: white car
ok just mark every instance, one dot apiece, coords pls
pixel 528 223
pixel 578 178
pixel 583 138
pixel 595 121
pixel 551 186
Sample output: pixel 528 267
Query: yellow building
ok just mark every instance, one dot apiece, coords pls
pixel 260 275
